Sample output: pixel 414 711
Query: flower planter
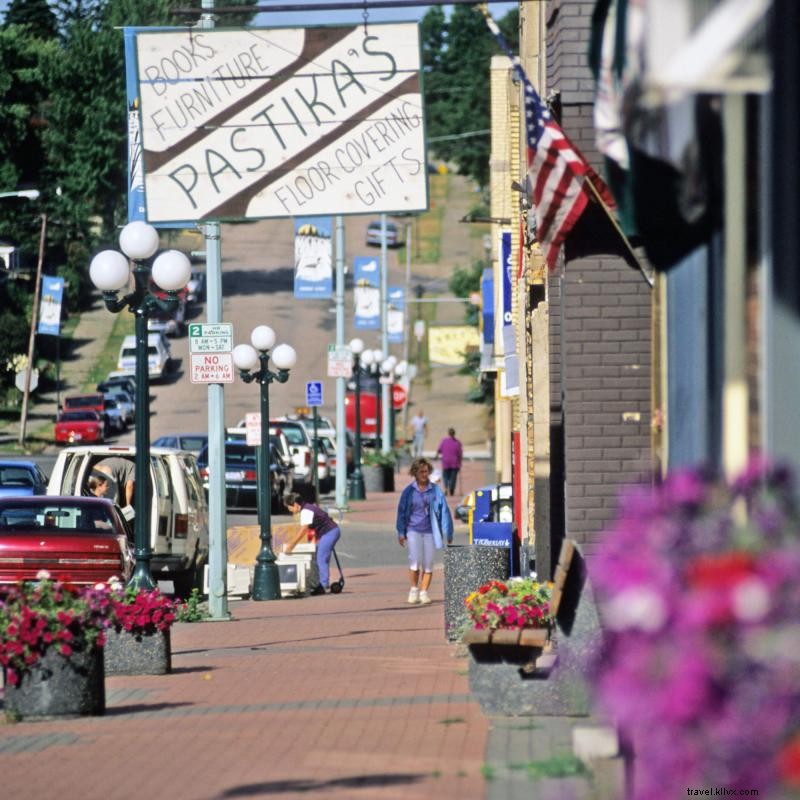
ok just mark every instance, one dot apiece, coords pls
pixel 129 653
pixel 58 687
pixel 466 567
pixel 378 478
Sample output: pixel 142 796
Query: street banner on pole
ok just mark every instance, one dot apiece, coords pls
pixel 366 293
pixel 50 306
pixel 396 314
pixel 313 258
pixel 279 122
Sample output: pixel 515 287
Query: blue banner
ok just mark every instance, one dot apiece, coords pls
pixel 367 295
pixel 313 258
pixel 487 306
pixel 505 270
pixel 395 323
pixel 50 306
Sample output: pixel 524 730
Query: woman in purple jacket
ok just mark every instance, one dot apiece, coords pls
pixel 451 453
pixel 317 525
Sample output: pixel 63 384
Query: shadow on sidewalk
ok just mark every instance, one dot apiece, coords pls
pixel 354 782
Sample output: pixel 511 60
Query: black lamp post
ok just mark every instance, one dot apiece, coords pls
pixel 110 272
pixel 355 484
pixel 246 357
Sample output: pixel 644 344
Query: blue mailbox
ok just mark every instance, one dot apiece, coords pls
pixel 492 521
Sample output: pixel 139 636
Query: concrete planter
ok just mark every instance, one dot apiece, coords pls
pixel 378 478
pixel 59 687
pixel 129 653
pixel 466 567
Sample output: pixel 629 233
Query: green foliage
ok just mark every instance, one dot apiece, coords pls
pixel 456 56
pixel 35 15
pixel 377 458
pixel 193 610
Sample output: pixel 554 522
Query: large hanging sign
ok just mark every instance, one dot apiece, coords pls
pixel 313 257
pixel 286 122
pixel 395 318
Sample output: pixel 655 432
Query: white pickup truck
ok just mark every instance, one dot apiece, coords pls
pixel 178 513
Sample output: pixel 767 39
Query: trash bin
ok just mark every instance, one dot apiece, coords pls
pixel 466 567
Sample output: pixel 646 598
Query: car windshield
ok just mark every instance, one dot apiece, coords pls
pixel 192 442
pixel 293 435
pixel 78 416
pixel 16 476
pixel 83 402
pixel 62 517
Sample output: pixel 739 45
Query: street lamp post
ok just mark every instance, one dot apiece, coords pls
pixel 370 360
pixel 110 272
pixel 248 357
pixel 355 485
pixel 388 366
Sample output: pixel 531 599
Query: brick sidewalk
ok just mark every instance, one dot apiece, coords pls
pixel 353 696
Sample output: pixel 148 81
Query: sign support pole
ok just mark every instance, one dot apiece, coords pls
pixel 384 389
pixel 217 520
pixel 341 383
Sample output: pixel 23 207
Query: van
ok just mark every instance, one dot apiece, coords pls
pixel 178 512
pixel 158 356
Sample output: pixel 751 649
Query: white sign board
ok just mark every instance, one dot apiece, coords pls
pixel 283 122
pixel 211 367
pixel 252 423
pixel 340 362
pixel 211 338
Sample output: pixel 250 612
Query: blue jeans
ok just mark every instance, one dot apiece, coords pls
pixel 325 547
pixel 419 438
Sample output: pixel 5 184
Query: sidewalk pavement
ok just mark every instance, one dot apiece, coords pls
pixel 351 696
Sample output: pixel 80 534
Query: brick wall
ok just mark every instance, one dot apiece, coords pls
pixel 600 319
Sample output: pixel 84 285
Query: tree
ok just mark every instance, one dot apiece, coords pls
pixel 35 16
pixel 456 59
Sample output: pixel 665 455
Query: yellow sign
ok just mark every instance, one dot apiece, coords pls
pixel 448 344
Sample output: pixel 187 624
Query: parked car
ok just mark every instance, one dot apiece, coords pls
pixel 125 403
pixel 196 288
pixel 178 517
pixel 85 402
pixel 191 442
pixel 20 478
pixel 170 323
pixel 158 356
pixel 115 415
pixel 79 426
pixel 241 486
pixel 114 382
pixel 393 238
pixel 300 449
pixel 77 539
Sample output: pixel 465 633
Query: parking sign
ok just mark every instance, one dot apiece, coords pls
pixel 314 393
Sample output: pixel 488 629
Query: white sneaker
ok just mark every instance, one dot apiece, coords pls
pixel 413 595
pixel 424 598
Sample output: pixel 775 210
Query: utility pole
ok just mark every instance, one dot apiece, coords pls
pixel 26 392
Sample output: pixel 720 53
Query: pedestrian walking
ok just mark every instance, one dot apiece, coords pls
pixel 423 519
pixel 451 452
pixel 419 426
pixel 315 525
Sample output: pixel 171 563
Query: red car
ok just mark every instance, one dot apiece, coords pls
pixel 79 426
pixel 82 540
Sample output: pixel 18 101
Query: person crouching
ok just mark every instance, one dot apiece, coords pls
pixel 317 526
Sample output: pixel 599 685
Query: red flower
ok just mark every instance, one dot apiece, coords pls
pixel 789 762
pixel 719 570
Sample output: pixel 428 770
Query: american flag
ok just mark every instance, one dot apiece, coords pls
pixel 557 172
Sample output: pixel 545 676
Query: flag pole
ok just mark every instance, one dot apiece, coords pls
pixel 618 228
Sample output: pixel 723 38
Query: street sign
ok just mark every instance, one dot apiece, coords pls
pixel 314 393
pixel 399 397
pixel 211 338
pixel 252 423
pixel 211 367
pixel 340 361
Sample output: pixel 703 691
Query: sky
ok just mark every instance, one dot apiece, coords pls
pixel 498 10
